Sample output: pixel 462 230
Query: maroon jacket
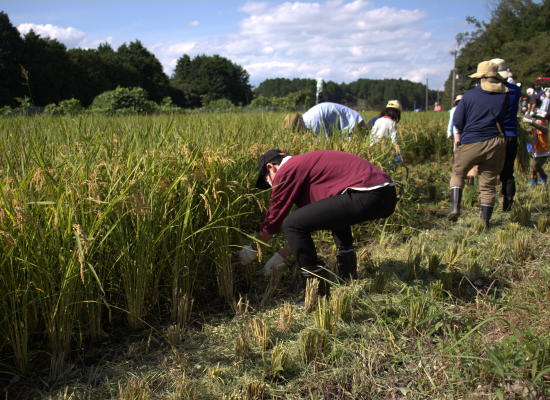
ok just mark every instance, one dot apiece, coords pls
pixel 314 176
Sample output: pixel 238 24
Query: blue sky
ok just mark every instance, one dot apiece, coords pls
pixel 336 40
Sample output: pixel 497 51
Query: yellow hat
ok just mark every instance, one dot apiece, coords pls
pixel 394 104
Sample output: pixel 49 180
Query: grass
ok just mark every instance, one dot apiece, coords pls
pixel 118 279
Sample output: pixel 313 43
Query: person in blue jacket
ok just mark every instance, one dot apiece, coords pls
pixel 511 132
pixel 479 120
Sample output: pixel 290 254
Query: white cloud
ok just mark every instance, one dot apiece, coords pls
pixel 334 40
pixel 70 37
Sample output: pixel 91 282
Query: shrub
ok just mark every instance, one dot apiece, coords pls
pixel 65 107
pixel 220 104
pixel 124 101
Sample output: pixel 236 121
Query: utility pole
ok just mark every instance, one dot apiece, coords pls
pixel 454 78
pixel 426 94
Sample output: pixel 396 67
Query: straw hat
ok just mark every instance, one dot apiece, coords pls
pixel 487 69
pixel 502 70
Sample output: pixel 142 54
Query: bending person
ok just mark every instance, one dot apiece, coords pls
pixel 333 190
pixel 386 125
pixel 326 119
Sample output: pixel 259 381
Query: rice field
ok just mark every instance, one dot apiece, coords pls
pixel 119 279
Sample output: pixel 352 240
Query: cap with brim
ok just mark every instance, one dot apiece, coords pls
pixel 487 69
pixel 262 162
pixel 502 70
pixel 458 97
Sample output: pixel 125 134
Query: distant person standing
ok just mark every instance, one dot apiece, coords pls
pixel 532 100
pixel 540 148
pixel 437 107
pixel 479 120
pixel 326 119
pixel 511 132
pixel 545 105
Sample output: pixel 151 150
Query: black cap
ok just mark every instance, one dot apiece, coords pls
pixel 264 160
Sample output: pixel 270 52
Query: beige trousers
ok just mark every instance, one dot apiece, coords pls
pixel 489 157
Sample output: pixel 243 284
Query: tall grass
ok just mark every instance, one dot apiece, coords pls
pixel 109 217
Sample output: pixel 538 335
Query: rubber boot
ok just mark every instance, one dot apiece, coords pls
pixel 543 178
pixel 320 272
pixel 507 203
pixel 456 197
pixel 346 262
pixel 533 181
pixel 486 212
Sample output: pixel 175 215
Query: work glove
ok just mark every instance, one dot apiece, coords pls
pixel 527 119
pixel 247 254
pixel 398 160
pixel 274 262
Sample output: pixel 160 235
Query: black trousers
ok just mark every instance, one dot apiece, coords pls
pixel 338 214
pixel 507 174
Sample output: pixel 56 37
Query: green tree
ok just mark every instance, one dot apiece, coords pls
pixel 212 78
pixel 517 32
pixel 144 69
pixel 11 48
pixel 49 69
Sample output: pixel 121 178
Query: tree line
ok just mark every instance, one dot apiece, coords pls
pixel 44 71
pixel 369 93
pixel 518 32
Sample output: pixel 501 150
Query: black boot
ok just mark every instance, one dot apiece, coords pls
pixel 346 261
pixel 486 212
pixel 456 198
pixel 320 272
pixel 507 202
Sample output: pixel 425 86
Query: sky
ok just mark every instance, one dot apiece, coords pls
pixel 340 41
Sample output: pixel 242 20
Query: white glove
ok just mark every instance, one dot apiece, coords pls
pixel 247 254
pixel 274 262
pixel 527 119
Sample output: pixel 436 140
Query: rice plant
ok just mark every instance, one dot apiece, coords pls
pixel 502 236
pixel 313 344
pixel 414 258
pixel 379 282
pixel 434 261
pixel 521 213
pixel 311 294
pixel 242 346
pixel 520 247
pixel 259 332
pixel 286 317
pixel 278 363
pixel 342 302
pixel 324 315
pixel 496 254
pixel 543 223
pixel 253 388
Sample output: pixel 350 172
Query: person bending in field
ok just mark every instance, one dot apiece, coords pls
pixel 540 148
pixel 333 190
pixel 386 126
pixel 326 119
pixel 479 120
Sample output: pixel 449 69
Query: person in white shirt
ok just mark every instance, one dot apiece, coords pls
pixel 386 125
pixel 326 119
